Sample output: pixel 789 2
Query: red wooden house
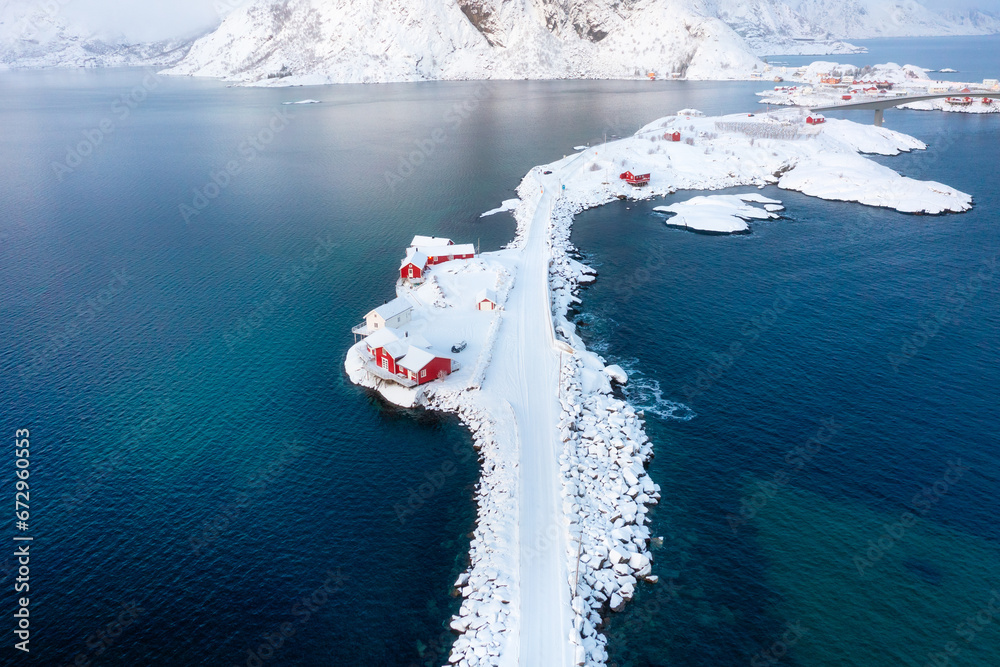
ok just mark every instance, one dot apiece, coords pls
pixel 815 120
pixel 672 136
pixel 633 179
pixel 386 349
pixel 413 266
pixel 422 366
pixel 446 253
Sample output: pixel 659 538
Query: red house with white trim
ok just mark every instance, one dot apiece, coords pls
pixel 486 300
pixel 636 180
pixel 413 266
pixel 422 366
pixel 386 348
pixel 406 357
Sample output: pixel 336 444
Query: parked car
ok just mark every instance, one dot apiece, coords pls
pixel 458 348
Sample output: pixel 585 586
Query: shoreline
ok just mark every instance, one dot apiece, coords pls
pixel 563 490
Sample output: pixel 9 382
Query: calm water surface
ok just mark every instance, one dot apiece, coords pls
pixel 198 451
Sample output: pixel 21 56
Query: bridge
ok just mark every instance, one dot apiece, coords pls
pixel 881 105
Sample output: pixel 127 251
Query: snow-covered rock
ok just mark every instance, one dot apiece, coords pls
pixel 616 373
pixel 720 214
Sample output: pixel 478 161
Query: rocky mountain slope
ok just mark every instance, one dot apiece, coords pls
pixel 321 41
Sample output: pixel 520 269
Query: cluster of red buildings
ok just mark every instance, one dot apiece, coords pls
pixel 395 354
pixel 426 251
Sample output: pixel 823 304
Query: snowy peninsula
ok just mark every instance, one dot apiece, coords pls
pixel 561 536
pixel 825 83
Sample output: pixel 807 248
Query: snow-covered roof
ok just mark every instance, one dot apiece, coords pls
pixel 395 307
pixel 414 257
pixel 416 359
pixel 486 295
pixel 429 241
pixel 417 340
pixel 381 338
pixel 397 348
pixel 459 249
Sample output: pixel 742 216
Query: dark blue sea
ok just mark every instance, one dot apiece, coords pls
pixel 209 489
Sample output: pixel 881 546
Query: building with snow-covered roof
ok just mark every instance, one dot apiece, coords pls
pixel 486 300
pixel 429 241
pixel 390 315
pixel 422 366
pixel 440 254
pixel 405 359
pixel 413 266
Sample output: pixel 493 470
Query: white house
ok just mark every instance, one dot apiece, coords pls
pixel 486 300
pixel 391 315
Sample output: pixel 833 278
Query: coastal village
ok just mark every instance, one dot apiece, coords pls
pixel 828 83
pixel 446 301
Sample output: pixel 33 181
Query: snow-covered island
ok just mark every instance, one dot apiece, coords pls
pixel 561 536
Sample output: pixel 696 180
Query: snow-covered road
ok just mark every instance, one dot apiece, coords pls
pixel 526 370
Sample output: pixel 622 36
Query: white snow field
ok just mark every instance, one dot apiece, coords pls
pixel 561 534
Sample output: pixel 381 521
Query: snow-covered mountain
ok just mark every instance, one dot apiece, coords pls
pixel 321 41
pixel 36 34
pixel 280 42
pixel 774 27
pixel 863 19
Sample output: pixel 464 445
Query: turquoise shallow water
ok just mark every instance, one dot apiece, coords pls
pixel 198 450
